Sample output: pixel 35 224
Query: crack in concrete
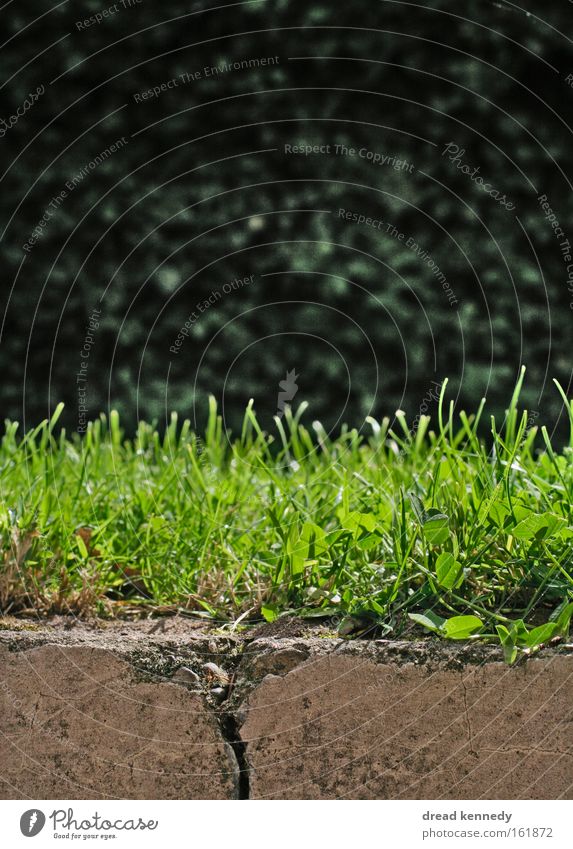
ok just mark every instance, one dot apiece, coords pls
pixel 227 721
pixel 230 727
pixel 238 748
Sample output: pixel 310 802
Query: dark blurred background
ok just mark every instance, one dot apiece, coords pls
pixel 177 193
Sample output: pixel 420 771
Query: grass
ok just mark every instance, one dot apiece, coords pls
pixel 388 526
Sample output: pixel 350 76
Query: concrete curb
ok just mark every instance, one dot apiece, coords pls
pixel 96 714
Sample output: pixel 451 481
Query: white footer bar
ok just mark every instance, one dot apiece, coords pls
pixel 293 824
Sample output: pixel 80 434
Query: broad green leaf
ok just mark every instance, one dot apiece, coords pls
pixel 314 538
pixel 385 513
pixel 359 522
pixel 428 620
pixel 449 572
pixel 436 527
pixel 368 541
pixel 507 643
pixel 541 634
pixel 335 536
pixel 518 630
pixel 461 627
pixel 563 620
pixel 498 513
pixel 538 526
pixel 269 612
pixel 521 511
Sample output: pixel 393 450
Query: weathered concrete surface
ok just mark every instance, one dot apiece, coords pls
pixel 346 726
pixel 96 713
pixel 76 724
